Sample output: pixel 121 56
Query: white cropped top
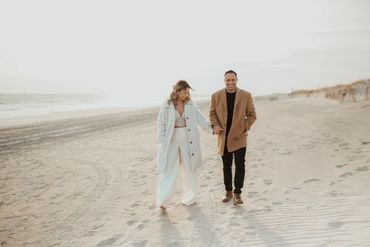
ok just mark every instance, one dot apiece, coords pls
pixel 180 120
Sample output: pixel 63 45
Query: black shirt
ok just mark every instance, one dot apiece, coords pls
pixel 230 99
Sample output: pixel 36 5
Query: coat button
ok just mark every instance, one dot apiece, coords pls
pixel 187 117
pixel 188 129
pixel 191 142
pixel 192 154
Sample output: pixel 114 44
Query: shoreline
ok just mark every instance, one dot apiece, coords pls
pixel 62 115
pixel 73 114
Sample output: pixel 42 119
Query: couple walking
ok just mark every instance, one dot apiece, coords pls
pixel 231 115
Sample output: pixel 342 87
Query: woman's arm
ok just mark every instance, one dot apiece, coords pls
pixel 161 125
pixel 202 120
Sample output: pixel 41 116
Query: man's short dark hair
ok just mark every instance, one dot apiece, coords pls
pixel 231 72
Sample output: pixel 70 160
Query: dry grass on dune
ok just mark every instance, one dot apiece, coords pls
pixel 356 91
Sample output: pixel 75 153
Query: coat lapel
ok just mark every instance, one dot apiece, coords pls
pixel 186 108
pixel 237 98
pixel 223 99
pixel 172 111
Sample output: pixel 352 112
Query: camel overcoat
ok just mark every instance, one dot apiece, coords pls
pixel 243 118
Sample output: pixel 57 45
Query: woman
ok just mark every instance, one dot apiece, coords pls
pixel 179 146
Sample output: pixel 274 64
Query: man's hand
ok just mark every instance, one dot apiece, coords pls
pixel 246 127
pixel 217 130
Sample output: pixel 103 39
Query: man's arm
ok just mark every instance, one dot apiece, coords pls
pixel 213 119
pixel 250 113
pixel 212 113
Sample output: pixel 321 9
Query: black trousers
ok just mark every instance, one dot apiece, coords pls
pixel 227 160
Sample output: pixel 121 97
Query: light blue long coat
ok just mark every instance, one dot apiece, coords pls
pixel 166 125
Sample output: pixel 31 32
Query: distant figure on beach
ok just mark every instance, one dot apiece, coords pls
pixel 231 115
pixel 179 145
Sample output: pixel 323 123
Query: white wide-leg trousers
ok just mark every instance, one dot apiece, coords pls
pixel 178 159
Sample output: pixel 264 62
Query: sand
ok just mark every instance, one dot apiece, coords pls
pixel 91 181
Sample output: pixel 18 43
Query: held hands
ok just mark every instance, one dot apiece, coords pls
pixel 217 130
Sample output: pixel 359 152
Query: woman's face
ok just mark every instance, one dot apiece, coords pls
pixel 184 94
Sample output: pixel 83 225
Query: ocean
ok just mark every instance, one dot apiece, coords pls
pixel 21 105
pixel 24 105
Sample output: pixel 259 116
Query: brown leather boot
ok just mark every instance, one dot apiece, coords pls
pixel 237 199
pixel 228 196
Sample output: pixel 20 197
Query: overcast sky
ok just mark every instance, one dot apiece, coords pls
pixel 138 49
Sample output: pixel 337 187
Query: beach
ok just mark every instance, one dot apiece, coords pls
pixel 90 180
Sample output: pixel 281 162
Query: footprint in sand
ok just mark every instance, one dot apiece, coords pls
pixel 343 144
pixel 190 218
pixel 336 224
pixel 267 181
pixel 335 194
pixel 311 180
pixel 346 174
pixel 234 224
pixel 341 166
pixel 267 209
pixel 147 192
pixel 362 169
pixel 277 203
pixel 98 226
pixel 131 222
pixel 140 243
pixel 261 199
pixel 335 182
pixel 109 241
pixel 141 226
pixel 252 194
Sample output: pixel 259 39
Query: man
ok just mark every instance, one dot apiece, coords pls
pixel 231 115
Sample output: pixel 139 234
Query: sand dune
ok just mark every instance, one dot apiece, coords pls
pixel 91 182
pixel 357 91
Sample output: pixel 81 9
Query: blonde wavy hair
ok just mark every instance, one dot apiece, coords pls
pixel 177 88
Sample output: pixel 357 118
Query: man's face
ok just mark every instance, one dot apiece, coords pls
pixel 230 82
pixel 184 94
